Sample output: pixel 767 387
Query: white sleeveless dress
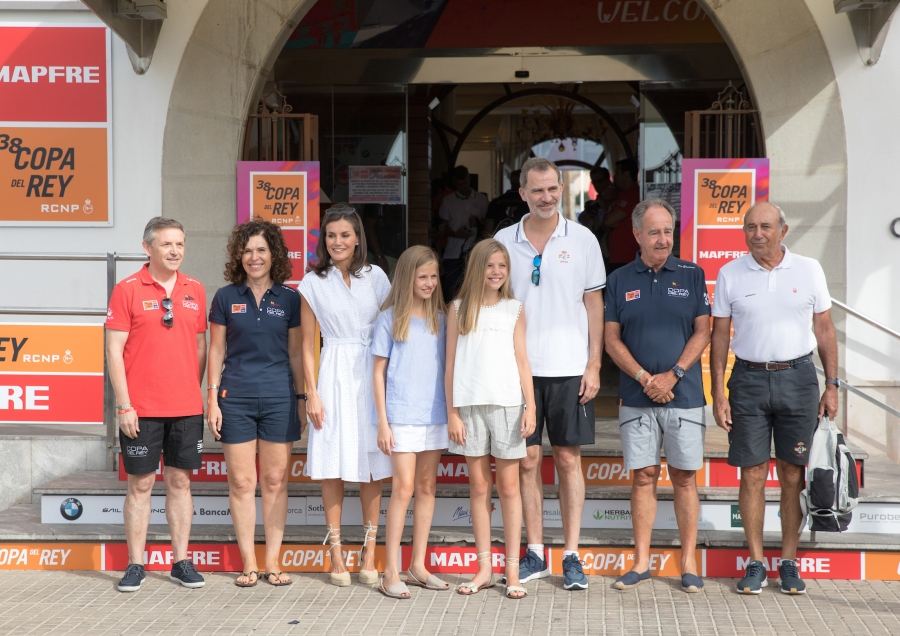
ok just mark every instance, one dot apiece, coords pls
pixel 346 446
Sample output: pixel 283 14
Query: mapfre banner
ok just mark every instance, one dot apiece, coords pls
pixel 54 74
pixel 55 125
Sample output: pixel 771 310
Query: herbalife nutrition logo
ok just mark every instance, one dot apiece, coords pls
pixel 613 515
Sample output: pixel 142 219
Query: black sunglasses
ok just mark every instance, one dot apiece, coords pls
pixel 168 318
pixel 536 272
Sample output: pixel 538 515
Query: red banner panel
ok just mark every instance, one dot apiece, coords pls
pixel 208 557
pixel 70 399
pixel 812 565
pixel 53 74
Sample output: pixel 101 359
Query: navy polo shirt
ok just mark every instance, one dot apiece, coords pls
pixel 256 339
pixel 656 312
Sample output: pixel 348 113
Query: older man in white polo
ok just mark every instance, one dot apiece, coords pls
pixel 779 306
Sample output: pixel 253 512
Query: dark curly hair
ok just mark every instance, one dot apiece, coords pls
pixel 240 235
pixel 341 212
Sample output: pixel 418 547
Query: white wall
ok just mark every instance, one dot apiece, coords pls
pixel 140 105
pixel 869 96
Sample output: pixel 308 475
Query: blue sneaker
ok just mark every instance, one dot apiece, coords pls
pixel 532 567
pixel 133 578
pixel 573 574
pixel 791 583
pixel 754 579
pixel 185 573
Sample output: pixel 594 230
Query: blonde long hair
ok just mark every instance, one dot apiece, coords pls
pixel 471 294
pixel 403 295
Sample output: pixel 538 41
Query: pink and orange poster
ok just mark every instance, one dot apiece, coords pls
pixel 715 196
pixel 285 193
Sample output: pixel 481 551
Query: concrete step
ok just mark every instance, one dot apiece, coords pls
pixel 98 497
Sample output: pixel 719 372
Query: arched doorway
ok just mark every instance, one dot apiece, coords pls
pixel 234 45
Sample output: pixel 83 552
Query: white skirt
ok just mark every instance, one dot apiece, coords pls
pixel 416 438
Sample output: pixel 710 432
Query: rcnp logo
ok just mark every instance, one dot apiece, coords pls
pixel 71 509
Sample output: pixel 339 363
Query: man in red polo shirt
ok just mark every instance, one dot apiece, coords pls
pixel 156 354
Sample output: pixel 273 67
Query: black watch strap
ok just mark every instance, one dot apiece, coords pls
pixel 301 396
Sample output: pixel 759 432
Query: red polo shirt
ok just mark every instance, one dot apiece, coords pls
pixel 161 363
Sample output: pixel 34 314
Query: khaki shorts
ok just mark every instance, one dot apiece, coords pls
pixel 645 430
pixel 491 430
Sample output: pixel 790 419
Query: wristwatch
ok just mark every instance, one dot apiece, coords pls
pixel 678 371
pixel 301 396
pixel 833 381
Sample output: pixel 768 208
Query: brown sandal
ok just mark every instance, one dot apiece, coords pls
pixel 279 582
pixel 252 579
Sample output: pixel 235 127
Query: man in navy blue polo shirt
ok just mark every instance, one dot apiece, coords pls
pixel 657 325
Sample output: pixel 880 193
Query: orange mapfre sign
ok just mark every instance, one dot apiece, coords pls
pixel 611 471
pixel 50 556
pixel 51 348
pixel 279 197
pixel 54 175
pixel 603 561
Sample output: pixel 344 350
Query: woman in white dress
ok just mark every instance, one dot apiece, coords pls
pixel 342 294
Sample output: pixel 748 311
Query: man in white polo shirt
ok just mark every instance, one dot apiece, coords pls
pixel 779 305
pixel 557 272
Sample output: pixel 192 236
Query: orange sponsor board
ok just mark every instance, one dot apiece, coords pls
pixel 50 556
pixel 51 348
pixel 882 566
pixel 602 561
pixel 279 197
pixel 54 175
pixel 317 557
pixel 724 196
pixel 610 471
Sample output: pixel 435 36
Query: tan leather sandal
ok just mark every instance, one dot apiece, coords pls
pixel 469 587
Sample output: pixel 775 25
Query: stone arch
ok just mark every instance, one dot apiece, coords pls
pixel 776 42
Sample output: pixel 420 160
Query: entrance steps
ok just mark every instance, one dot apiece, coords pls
pixel 82 513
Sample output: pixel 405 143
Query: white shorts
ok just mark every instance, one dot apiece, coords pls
pixel 416 438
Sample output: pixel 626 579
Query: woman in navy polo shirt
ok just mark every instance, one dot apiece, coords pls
pixel 254 400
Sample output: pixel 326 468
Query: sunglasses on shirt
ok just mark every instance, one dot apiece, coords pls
pixel 168 318
pixel 536 272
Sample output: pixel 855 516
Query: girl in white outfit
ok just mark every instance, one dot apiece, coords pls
pixel 487 376
pixel 342 295
pixel 409 348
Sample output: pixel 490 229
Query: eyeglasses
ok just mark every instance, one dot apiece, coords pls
pixel 169 317
pixel 536 272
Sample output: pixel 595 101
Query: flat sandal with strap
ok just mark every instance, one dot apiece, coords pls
pixel 470 587
pixel 514 592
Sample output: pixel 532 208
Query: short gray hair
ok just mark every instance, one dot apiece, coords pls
pixel 637 217
pixel 159 223
pixel 539 164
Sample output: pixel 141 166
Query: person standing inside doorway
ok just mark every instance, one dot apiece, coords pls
pixel 617 221
pixel 156 354
pixel 462 213
pixel 557 273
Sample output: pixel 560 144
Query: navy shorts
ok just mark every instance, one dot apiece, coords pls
pixel 178 439
pixel 272 419
pixel 568 423
pixel 783 405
